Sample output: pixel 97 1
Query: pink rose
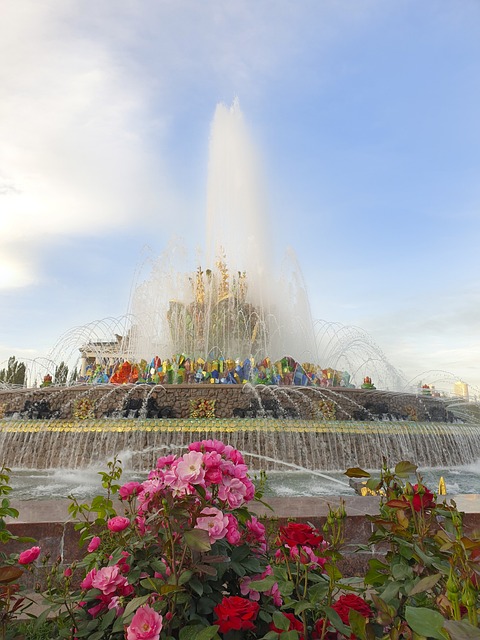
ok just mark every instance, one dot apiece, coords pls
pixel 129 489
pixel 207 445
pixel 166 461
pixel 118 523
pixel 87 581
pixel 233 491
pixel 214 522
pixel 109 580
pixel 146 624
pixel 94 544
pixel 233 532
pixel 190 468
pixel 256 534
pixel 29 556
pixel 116 603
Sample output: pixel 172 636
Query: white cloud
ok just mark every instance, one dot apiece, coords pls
pixel 14 273
pixel 73 159
pixel 84 91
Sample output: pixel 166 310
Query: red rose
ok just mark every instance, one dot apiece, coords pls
pixel 298 533
pixel 422 498
pixel 295 625
pixel 343 605
pixel 236 613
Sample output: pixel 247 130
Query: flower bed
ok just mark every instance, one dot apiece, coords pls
pixel 185 558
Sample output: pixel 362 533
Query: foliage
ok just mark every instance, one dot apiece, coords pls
pixel 428 581
pixel 12 603
pixel 14 373
pixel 73 376
pixel 182 556
pixel 61 373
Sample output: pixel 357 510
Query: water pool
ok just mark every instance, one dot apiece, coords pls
pixel 86 483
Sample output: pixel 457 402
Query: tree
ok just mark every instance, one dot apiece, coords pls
pixel 14 373
pixel 61 373
pixel 73 376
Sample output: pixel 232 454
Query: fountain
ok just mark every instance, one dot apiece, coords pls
pixel 222 322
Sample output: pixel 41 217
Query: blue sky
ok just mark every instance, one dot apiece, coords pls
pixel 366 115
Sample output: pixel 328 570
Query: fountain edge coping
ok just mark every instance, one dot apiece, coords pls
pixel 56 511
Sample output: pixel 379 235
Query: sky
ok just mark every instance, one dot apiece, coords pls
pixel 366 115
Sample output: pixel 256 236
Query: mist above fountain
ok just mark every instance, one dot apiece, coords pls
pixel 240 302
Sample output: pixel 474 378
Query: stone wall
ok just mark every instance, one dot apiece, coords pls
pixel 49 523
pixel 174 401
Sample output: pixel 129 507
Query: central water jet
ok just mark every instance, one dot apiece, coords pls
pixel 242 301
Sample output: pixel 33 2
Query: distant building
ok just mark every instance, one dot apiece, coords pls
pixel 460 389
pixel 102 353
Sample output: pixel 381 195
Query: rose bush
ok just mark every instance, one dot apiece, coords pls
pixel 12 566
pixel 185 558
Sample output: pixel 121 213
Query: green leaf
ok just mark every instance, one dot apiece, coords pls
pixel 391 591
pixel 374 484
pixel 197 540
pixel 318 591
pixel 302 605
pixel 356 472
pixel 285 588
pixel 240 553
pixel 427 560
pixel 461 630
pixel 381 605
pixel 402 571
pixel 426 622
pixel 332 572
pixel 208 633
pixel 198 632
pixel 425 584
pixel 280 621
pixel 357 624
pixel 158 566
pixel 289 635
pixel 118 625
pixel 238 568
pixel 185 577
pixel 93 624
pixel 155 584
pixel 196 585
pixel 375 577
pixel 262 585
pixel 404 469
pixel 205 606
pixel 133 605
pixel 108 618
